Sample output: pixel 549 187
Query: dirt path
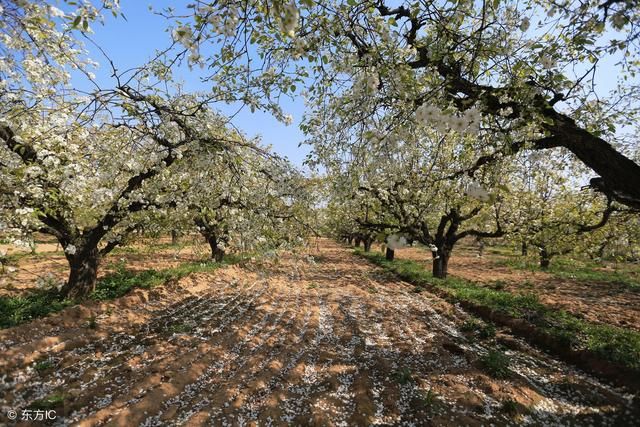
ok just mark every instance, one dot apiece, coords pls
pixel 329 340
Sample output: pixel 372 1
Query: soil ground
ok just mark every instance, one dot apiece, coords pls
pixel 599 302
pixel 323 338
pixel 49 261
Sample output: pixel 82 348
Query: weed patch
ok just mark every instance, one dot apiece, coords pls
pixel 19 309
pixel 496 364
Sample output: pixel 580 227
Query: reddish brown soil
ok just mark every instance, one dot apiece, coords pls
pixel 598 302
pixel 317 339
pixel 49 260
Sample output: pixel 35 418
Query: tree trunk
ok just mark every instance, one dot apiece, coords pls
pixel 174 237
pixel 358 240
pixel 217 254
pixel 545 259
pixel 83 273
pixel 367 244
pixel 390 254
pixel 524 249
pixel 440 265
pixel 601 248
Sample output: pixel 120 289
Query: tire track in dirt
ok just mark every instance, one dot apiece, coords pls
pixel 226 371
pixel 87 371
pixel 247 390
pixel 175 368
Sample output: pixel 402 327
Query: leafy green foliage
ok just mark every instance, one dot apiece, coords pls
pixel 496 363
pixel 19 309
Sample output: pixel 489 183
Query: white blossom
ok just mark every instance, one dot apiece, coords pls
pixel 547 62
pixel 427 114
pixel 288 119
pixel 183 35
pixel 396 241
pixel 289 21
pixel 55 12
pixel 476 191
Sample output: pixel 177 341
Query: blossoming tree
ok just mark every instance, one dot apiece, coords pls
pixel 412 191
pixel 531 69
pixel 86 168
pixel 242 198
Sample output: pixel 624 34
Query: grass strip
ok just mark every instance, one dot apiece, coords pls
pixel 15 310
pixel 611 343
pixel 576 270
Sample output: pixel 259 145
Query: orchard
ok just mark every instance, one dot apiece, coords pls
pixel 308 212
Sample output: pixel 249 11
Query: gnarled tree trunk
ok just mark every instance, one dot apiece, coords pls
pixel 440 264
pixel 217 253
pixel 367 244
pixel 83 273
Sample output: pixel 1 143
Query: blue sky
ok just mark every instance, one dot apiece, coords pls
pixel 130 42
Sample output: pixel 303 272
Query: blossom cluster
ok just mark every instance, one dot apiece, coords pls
pixel 396 241
pixel 430 115
pixel 289 19
pixel 476 191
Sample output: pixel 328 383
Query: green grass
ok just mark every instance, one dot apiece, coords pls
pixel 608 342
pixel 121 281
pixel 125 250
pixel 496 363
pixel 574 269
pixel 15 310
pixel 19 309
pixel 43 365
pixel 50 402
